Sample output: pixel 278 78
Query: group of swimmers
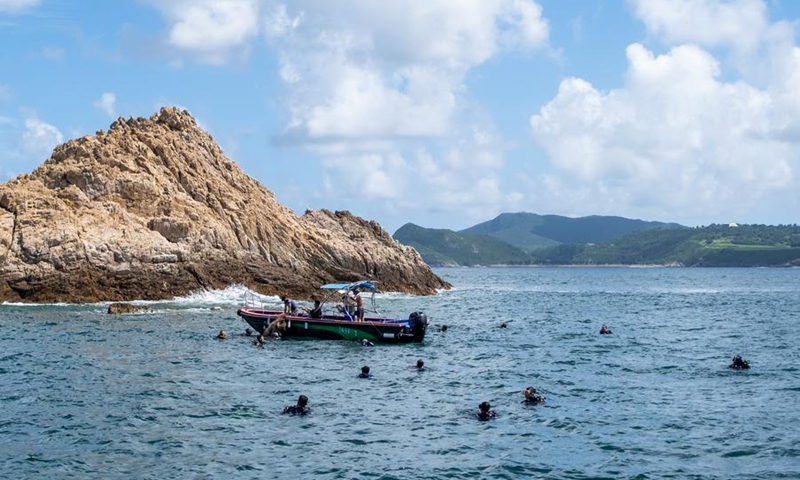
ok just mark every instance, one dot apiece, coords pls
pixel 484 408
pixel 485 411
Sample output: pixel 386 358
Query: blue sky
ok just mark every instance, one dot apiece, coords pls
pixel 444 113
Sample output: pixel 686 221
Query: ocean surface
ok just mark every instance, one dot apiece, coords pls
pixel 155 396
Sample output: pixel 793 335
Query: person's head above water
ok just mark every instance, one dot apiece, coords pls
pixel 302 401
pixel 420 363
pixel 530 392
pixel 248 332
pixel 222 334
pixel 484 407
pixel 365 370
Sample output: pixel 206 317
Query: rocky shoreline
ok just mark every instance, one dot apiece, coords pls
pixel 152 209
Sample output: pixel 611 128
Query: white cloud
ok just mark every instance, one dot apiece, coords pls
pixel 107 103
pixel 39 138
pixel 737 23
pixel 391 69
pixel 214 31
pixel 674 137
pixel 17 6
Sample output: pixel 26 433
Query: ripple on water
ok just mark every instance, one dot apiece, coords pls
pixel 158 394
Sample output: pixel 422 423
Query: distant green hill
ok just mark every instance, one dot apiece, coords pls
pixel 711 246
pixel 529 231
pixel 654 243
pixel 439 247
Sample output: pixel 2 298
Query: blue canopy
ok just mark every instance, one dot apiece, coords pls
pixel 366 285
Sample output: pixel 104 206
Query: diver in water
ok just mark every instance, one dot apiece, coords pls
pixel 365 372
pixel 484 412
pixel 300 409
pixel 739 364
pixel 531 397
pixel 222 335
pixel 604 330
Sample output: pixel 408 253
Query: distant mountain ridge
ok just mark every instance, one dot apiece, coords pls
pixel 530 239
pixel 511 238
pixel 529 231
pixel 441 247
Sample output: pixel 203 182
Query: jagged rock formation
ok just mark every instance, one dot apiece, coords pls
pixel 152 209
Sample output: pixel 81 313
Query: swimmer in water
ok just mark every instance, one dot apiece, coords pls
pixel 222 335
pixel 420 365
pixel 504 325
pixel 485 412
pixel 739 364
pixel 365 372
pixel 604 330
pixel 443 328
pixel 259 341
pixel 300 409
pixel 366 343
pixel 248 332
pixel 531 397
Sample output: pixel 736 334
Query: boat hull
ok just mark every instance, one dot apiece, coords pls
pixel 337 328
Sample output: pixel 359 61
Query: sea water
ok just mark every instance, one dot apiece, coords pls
pixel 84 394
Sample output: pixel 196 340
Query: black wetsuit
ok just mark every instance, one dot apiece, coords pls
pixel 486 415
pixel 364 375
pixel 296 410
pixel 739 363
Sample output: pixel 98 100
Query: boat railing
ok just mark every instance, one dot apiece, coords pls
pixel 253 300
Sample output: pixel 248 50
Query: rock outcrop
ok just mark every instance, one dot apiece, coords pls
pixel 152 209
pixel 123 308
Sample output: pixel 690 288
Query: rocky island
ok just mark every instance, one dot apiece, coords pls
pixel 152 209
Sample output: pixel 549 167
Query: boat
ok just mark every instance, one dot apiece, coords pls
pixel 338 320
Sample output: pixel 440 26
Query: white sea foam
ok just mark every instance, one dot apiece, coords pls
pixel 234 295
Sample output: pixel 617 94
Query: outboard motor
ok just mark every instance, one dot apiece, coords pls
pixel 418 322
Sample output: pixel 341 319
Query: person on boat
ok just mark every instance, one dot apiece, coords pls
pixel 315 312
pixel 365 372
pixel 604 330
pixel 301 408
pixel 738 363
pixel 531 397
pixel 222 335
pixel 485 412
pixel 289 305
pixel 347 306
pixel 359 305
pixel 420 365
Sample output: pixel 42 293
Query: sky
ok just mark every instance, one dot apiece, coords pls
pixel 444 113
